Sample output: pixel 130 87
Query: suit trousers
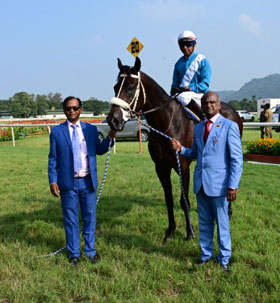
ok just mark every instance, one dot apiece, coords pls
pixel 82 195
pixel 211 209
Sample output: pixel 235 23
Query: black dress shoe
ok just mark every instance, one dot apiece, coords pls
pixel 202 262
pixel 226 268
pixel 74 261
pixel 93 259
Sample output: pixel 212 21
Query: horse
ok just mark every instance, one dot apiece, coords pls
pixel 137 93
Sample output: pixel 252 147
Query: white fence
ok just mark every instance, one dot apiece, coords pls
pixel 245 124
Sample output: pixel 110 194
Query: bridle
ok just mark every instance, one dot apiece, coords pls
pixel 129 109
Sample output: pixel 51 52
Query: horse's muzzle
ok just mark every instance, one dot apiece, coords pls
pixel 115 124
pixel 115 119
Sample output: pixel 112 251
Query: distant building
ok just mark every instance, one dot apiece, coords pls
pixel 6 115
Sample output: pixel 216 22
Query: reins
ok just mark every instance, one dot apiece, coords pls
pixel 131 111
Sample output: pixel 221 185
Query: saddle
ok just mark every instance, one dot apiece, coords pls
pixel 195 109
pixel 192 110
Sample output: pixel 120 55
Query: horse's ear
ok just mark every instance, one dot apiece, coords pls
pixel 120 64
pixel 137 64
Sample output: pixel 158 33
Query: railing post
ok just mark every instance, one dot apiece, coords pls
pixel 114 145
pixel 13 136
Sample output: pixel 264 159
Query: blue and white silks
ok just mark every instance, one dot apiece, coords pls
pixel 193 72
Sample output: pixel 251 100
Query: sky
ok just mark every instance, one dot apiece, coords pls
pixel 71 47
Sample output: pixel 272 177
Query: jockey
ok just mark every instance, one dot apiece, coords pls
pixel 192 74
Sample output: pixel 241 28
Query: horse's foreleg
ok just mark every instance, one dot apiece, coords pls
pixel 186 209
pixel 163 173
pixel 229 210
pixel 185 202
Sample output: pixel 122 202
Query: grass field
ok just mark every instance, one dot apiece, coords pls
pixel 132 218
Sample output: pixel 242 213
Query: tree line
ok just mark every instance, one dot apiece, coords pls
pixel 249 105
pixel 24 105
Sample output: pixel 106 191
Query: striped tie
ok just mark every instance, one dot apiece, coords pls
pixel 76 149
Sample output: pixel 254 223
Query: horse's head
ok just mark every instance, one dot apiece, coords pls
pixel 126 102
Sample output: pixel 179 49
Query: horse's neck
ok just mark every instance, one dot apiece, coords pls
pixel 159 105
pixel 155 94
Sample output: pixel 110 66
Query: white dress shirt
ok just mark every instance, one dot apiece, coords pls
pixel 84 153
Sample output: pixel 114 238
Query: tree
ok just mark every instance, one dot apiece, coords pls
pixel 96 106
pixel 22 105
pixel 55 97
pixel 235 104
pixel 54 100
pixel 42 104
pixel 249 105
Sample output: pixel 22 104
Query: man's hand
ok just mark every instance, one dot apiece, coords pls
pixel 54 189
pixel 231 194
pixel 179 90
pixel 176 145
pixel 112 134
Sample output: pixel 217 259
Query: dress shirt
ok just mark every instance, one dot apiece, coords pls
pixel 84 154
pixel 213 120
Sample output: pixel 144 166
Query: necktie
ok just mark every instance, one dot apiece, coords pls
pixel 76 149
pixel 206 130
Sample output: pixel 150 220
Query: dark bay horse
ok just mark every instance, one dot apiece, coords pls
pixel 137 93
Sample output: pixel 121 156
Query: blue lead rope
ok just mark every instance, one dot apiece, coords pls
pixel 180 175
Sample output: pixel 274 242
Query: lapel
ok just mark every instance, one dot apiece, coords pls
pixel 216 128
pixel 85 132
pixel 200 130
pixel 66 134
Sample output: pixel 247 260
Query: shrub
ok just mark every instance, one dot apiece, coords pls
pixel 6 134
pixel 264 147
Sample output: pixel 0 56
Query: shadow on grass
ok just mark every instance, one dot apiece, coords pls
pixel 142 231
pixel 44 228
pixel 33 227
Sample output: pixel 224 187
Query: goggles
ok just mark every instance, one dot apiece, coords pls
pixel 188 44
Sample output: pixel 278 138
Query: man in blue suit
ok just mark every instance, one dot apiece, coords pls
pixel 73 176
pixel 217 148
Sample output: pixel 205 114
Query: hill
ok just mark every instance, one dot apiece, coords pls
pixel 267 87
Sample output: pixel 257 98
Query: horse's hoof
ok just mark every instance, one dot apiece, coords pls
pixel 189 237
pixel 168 235
pixel 190 234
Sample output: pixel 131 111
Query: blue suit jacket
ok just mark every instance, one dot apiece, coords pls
pixel 61 163
pixel 220 160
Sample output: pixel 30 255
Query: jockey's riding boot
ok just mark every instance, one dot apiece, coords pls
pixel 193 106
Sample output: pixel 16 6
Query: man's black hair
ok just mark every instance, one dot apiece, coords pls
pixel 66 100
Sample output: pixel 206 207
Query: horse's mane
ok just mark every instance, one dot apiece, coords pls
pixel 154 83
pixel 130 70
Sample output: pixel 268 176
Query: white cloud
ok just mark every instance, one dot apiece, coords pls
pixel 249 25
pixel 170 9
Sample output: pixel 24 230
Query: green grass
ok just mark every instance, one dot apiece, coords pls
pixel 132 218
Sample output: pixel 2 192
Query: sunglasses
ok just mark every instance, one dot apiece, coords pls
pixel 75 108
pixel 186 43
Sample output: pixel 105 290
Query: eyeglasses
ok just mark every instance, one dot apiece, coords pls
pixel 75 108
pixel 186 43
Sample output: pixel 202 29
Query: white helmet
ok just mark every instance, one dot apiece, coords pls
pixel 187 36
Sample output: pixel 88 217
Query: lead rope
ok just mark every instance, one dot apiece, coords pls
pixel 180 175
pixel 97 200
